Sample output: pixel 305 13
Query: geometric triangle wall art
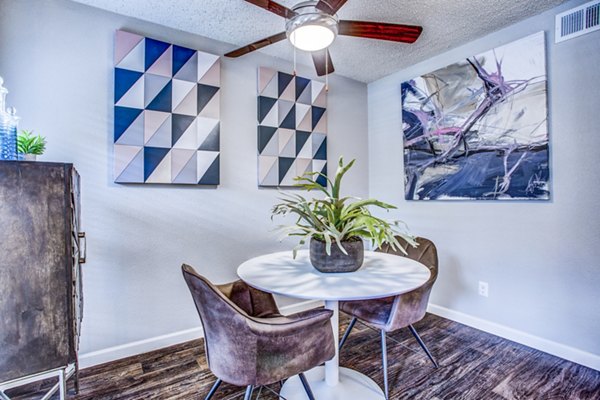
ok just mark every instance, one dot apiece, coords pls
pixel 292 128
pixel 167 113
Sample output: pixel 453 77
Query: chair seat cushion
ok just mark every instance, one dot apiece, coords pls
pixel 375 312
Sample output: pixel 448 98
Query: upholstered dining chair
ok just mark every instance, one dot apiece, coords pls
pixel 249 343
pixel 392 313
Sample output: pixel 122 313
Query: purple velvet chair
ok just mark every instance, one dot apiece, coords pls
pixel 249 343
pixel 391 313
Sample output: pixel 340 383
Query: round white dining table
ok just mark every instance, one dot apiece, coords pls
pixel 381 275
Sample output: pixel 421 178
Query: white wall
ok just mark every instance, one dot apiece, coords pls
pixel 56 59
pixel 541 259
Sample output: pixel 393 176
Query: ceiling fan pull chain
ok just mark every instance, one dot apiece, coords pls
pixel 326 70
pixel 294 60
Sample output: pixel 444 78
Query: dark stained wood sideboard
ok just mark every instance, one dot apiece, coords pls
pixel 40 267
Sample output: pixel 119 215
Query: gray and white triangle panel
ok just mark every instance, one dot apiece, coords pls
pixel 292 128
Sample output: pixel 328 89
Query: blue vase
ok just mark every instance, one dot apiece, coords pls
pixel 8 140
pixel 8 127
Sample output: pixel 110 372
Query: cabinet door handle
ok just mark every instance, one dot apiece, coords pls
pixel 83 252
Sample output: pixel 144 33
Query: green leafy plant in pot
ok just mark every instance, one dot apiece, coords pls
pixel 30 146
pixel 336 226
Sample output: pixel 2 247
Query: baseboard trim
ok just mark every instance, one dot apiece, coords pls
pixel 138 347
pixel 557 349
pixel 143 346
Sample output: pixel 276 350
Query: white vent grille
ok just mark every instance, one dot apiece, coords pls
pixel 578 21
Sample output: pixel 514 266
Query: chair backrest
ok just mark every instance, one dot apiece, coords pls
pixel 410 307
pixel 254 302
pixel 425 253
pixel 229 343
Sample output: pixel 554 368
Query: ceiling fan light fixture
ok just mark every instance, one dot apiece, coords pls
pixel 314 25
pixel 311 29
pixel 312 37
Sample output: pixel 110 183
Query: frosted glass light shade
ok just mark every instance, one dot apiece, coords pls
pixel 312 37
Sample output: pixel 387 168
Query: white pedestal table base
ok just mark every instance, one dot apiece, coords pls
pixel 352 385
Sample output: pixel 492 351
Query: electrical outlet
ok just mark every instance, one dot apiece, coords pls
pixel 483 289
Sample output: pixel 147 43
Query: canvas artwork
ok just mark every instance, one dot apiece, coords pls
pixel 478 129
pixel 166 123
pixel 292 128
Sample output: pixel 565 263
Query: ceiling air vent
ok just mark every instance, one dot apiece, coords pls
pixel 578 21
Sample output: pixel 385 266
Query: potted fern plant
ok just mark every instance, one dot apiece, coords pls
pixel 336 226
pixel 30 146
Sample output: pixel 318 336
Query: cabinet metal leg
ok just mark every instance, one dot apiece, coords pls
pixel 63 375
pixel 62 385
pixel 76 377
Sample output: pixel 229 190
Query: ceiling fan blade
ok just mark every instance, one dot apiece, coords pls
pixel 257 45
pixel 274 7
pixel 322 60
pixel 330 6
pixel 380 30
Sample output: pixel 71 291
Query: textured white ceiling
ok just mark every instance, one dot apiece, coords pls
pixel 446 23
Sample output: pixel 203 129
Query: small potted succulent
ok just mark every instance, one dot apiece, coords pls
pixel 30 146
pixel 337 226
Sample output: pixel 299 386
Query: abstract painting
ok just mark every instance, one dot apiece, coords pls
pixel 166 121
pixel 292 128
pixel 477 129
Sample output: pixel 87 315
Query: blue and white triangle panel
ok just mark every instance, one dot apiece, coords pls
pixel 166 112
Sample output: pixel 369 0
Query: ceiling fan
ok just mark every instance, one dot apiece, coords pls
pixel 313 26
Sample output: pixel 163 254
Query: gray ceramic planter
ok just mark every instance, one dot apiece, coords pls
pixel 337 261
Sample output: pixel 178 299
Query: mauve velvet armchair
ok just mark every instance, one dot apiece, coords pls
pixel 391 313
pixel 249 343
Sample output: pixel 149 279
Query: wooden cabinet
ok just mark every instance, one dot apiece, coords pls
pixel 40 276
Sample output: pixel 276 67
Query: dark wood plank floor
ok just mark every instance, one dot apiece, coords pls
pixel 473 365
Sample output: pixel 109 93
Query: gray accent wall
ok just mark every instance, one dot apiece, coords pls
pixel 541 259
pixel 56 59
